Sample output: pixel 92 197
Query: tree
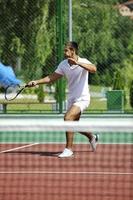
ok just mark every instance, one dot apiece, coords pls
pixel 119 80
pixel 119 83
pixel 103 35
pixel 26 28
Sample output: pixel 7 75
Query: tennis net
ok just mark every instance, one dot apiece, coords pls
pixel 30 167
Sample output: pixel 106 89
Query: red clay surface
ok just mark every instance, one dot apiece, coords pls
pixel 36 173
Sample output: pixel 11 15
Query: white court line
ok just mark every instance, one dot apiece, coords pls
pixel 14 149
pixel 66 172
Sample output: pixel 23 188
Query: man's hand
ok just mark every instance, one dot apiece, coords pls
pixel 32 84
pixel 72 61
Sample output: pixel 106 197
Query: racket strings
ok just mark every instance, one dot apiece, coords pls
pixel 12 92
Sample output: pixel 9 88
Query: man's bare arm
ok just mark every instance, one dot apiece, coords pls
pixel 89 67
pixel 46 80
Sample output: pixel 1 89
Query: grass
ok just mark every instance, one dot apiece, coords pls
pixel 33 106
pixel 98 104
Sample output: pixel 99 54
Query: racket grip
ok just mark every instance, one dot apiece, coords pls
pixel 31 84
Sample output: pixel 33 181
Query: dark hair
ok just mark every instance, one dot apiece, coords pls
pixel 73 45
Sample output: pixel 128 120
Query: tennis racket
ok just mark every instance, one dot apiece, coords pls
pixel 12 91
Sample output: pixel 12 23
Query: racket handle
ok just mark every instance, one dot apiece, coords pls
pixel 31 84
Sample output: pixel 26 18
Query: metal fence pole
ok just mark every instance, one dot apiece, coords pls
pixel 59 27
pixel 70 20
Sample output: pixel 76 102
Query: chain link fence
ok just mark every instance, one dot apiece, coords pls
pixel 32 37
pixel 105 38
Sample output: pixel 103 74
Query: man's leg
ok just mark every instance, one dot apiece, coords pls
pixel 73 114
pixel 93 139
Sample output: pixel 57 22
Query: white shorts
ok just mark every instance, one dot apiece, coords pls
pixel 82 104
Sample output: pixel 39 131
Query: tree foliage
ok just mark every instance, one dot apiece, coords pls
pixel 104 35
pixel 25 31
pixel 28 31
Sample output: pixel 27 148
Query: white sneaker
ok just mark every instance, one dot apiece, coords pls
pixel 66 153
pixel 94 142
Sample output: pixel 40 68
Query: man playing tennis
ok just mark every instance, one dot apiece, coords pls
pixel 76 71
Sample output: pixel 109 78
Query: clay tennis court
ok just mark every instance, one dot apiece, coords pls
pixel 35 172
pixel 30 168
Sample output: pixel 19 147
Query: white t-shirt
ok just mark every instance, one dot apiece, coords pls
pixel 77 78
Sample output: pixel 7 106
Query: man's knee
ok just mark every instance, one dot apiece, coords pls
pixel 71 117
pixel 72 114
pixel 68 117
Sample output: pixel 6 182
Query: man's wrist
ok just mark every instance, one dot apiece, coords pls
pixel 37 82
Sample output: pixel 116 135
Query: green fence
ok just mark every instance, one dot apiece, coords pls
pixel 115 100
pixel 32 37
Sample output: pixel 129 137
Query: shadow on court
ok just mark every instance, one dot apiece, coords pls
pixel 46 153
